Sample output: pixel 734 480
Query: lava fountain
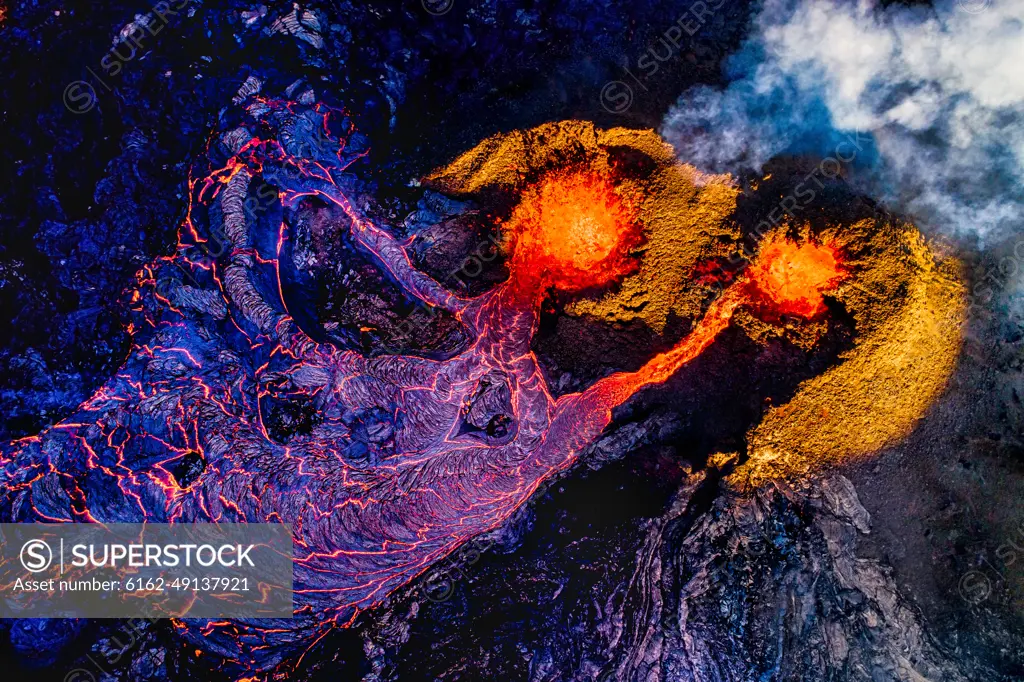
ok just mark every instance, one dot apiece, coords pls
pixel 572 231
pixel 790 278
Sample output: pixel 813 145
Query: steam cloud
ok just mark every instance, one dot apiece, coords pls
pixel 940 89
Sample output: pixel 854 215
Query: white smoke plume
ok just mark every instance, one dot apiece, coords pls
pixel 940 89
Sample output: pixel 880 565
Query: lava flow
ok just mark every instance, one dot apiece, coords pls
pixel 409 457
pixel 786 278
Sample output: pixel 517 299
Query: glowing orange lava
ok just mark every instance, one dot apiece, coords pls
pixel 791 277
pixel 786 277
pixel 573 231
